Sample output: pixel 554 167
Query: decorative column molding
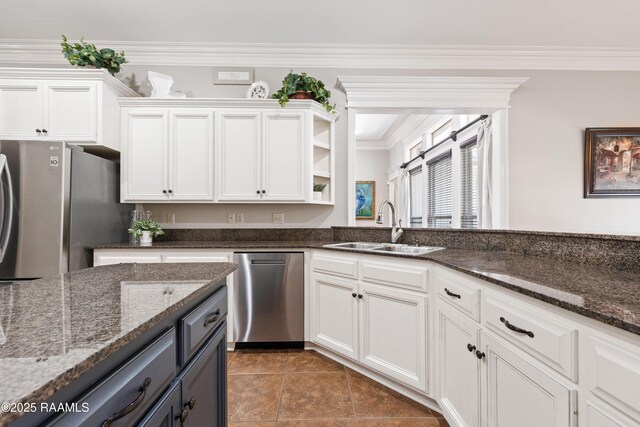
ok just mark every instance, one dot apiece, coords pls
pixel 426 92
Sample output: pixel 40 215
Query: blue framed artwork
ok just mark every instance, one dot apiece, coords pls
pixel 365 199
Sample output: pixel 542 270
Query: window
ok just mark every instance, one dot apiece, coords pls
pixel 440 192
pixel 415 197
pixel 442 132
pixel 469 177
pixel 415 149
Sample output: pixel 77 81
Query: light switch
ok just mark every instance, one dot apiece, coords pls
pixel 239 218
pixel 231 218
pixel 171 218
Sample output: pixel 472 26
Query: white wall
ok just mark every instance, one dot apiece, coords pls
pixel 372 165
pixel 546 139
pixel 546 145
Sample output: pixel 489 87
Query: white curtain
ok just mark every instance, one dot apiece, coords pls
pixel 403 197
pixel 485 174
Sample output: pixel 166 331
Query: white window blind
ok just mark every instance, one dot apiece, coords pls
pixel 469 175
pixel 440 195
pixel 415 197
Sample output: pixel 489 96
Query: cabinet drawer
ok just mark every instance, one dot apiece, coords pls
pixel 137 384
pixel 460 292
pixel 127 259
pixel 613 373
pixel 541 334
pixel 198 325
pixel 186 256
pixel 343 266
pixel 399 274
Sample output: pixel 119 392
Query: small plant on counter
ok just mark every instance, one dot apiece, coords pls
pixel 149 225
pixel 303 86
pixel 86 54
pixel 319 188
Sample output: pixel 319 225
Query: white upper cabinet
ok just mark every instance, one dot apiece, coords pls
pixel 167 156
pixel 283 155
pixel 74 105
pixel 72 111
pixel 191 155
pixel 144 173
pixel 236 151
pixel 239 166
pixel 21 109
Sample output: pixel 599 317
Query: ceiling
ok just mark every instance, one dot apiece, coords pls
pixel 578 23
pixel 374 126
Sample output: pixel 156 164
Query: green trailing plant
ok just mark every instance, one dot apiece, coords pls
pixel 146 225
pixel 319 187
pixel 303 82
pixel 83 54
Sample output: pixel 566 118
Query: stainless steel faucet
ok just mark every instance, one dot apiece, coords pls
pixel 396 232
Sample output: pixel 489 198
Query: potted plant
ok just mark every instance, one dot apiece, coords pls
pixel 146 230
pixel 317 191
pixel 303 86
pixel 86 54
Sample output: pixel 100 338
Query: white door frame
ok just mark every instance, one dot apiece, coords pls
pixel 430 94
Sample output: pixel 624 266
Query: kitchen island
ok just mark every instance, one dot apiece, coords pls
pixel 115 343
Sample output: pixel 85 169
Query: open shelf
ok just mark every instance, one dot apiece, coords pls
pixel 321 174
pixel 321 145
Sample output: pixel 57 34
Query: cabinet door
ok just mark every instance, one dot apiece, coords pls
pixel 458 368
pixel 71 112
pixel 191 155
pixel 393 333
pixel 166 412
pixel 144 171
pixel 239 159
pixel 21 110
pixel 283 156
pixel 204 385
pixel 335 315
pixel 518 393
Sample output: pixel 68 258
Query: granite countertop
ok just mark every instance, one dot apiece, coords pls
pixel 606 295
pixel 55 329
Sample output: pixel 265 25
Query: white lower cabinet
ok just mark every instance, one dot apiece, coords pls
pixel 335 314
pixel 393 333
pixel 458 368
pixel 518 393
pixel 381 327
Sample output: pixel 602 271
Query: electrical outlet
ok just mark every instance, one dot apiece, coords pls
pixel 239 218
pixel 231 218
pixel 278 218
pixel 171 218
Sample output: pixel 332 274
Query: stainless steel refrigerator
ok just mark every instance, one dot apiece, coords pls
pixel 56 201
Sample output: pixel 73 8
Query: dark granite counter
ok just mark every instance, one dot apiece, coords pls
pixel 600 293
pixel 53 330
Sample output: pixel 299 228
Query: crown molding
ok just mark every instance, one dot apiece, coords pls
pixel 66 74
pixel 294 55
pixel 427 92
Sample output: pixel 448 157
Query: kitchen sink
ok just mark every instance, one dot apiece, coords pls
pixel 389 248
pixel 407 250
pixel 358 246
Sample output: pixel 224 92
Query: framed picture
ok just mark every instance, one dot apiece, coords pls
pixel 233 75
pixel 365 199
pixel 612 162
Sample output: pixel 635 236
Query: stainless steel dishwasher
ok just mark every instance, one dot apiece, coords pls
pixel 268 299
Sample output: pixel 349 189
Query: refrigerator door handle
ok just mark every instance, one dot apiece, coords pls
pixel 4 242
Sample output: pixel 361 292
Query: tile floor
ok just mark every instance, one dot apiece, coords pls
pixel 303 388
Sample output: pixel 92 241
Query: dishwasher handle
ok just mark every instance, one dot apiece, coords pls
pixel 267 262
